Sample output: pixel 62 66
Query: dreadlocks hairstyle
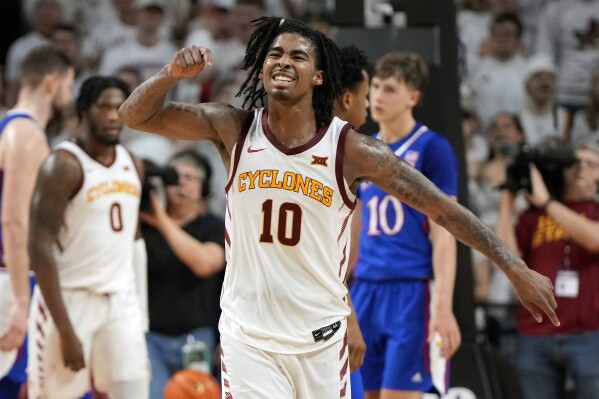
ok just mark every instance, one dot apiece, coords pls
pixel 353 62
pixel 266 29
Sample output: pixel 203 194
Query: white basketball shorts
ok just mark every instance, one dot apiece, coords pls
pixel 252 373
pixel 114 346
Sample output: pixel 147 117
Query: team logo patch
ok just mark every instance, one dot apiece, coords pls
pixel 411 157
pixel 316 160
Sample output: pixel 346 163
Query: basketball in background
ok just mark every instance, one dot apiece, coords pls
pixel 191 384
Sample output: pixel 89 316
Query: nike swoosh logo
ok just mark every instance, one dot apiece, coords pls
pixel 250 149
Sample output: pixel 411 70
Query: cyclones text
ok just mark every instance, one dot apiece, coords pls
pixel 270 178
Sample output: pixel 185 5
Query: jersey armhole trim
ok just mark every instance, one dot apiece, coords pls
pixel 239 147
pixel 82 180
pixel 339 167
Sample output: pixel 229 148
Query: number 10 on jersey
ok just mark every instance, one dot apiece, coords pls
pixel 287 223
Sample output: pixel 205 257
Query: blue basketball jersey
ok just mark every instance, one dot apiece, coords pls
pixel 3 122
pixel 394 242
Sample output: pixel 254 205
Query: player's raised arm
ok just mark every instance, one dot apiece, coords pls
pixel 58 180
pixel 146 108
pixel 370 159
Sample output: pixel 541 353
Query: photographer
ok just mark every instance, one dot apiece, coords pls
pixel 185 255
pixel 559 238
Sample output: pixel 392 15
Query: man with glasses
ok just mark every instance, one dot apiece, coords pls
pixel 559 238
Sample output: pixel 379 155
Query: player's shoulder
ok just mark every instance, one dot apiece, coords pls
pixel 435 138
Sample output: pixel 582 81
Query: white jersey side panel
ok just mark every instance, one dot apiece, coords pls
pixel 95 245
pixel 287 232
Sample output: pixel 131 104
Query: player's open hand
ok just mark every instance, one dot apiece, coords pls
pixel 72 351
pixel 189 61
pixel 535 292
pixel 11 337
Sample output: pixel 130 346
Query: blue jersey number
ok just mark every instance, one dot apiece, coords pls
pixel 378 222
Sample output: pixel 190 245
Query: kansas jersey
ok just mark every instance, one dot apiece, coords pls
pixel 394 242
pixel 287 238
pixel 95 244
pixel 3 122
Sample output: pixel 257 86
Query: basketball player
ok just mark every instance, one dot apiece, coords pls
pixel 293 169
pixel 352 107
pixel 46 79
pixel 401 251
pixel 86 316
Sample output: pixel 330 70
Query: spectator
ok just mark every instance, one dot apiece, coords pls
pixel 185 245
pixel 505 138
pixel 67 39
pixel 117 25
pixel 496 82
pixel 47 13
pixel 218 27
pixel 146 50
pixel 541 117
pixel 568 33
pixel 559 238
pixel 473 20
pixel 475 145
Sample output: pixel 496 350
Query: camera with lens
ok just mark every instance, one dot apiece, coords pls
pixel 155 175
pixel 549 160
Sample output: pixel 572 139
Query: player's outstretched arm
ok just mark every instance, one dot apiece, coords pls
pixel 146 108
pixel 370 159
pixel 59 179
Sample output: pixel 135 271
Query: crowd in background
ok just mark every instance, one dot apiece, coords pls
pixel 529 75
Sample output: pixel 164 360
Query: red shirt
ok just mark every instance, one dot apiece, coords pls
pixel 542 243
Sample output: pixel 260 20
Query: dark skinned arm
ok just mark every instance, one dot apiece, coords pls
pixel 370 159
pixel 58 180
pixel 146 108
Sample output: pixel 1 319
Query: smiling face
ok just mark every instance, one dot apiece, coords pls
pixel 289 71
pixel 103 118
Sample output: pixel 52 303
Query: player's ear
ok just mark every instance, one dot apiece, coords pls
pixel 346 99
pixel 415 96
pixel 318 78
pixel 51 82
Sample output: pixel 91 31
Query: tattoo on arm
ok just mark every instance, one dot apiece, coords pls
pixel 467 228
pixel 147 99
pixel 400 179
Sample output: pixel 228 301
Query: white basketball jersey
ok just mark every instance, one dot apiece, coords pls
pixel 95 244
pixel 287 239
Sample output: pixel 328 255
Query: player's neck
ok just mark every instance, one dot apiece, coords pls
pixel 293 126
pixel 394 130
pixel 104 154
pixel 36 104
